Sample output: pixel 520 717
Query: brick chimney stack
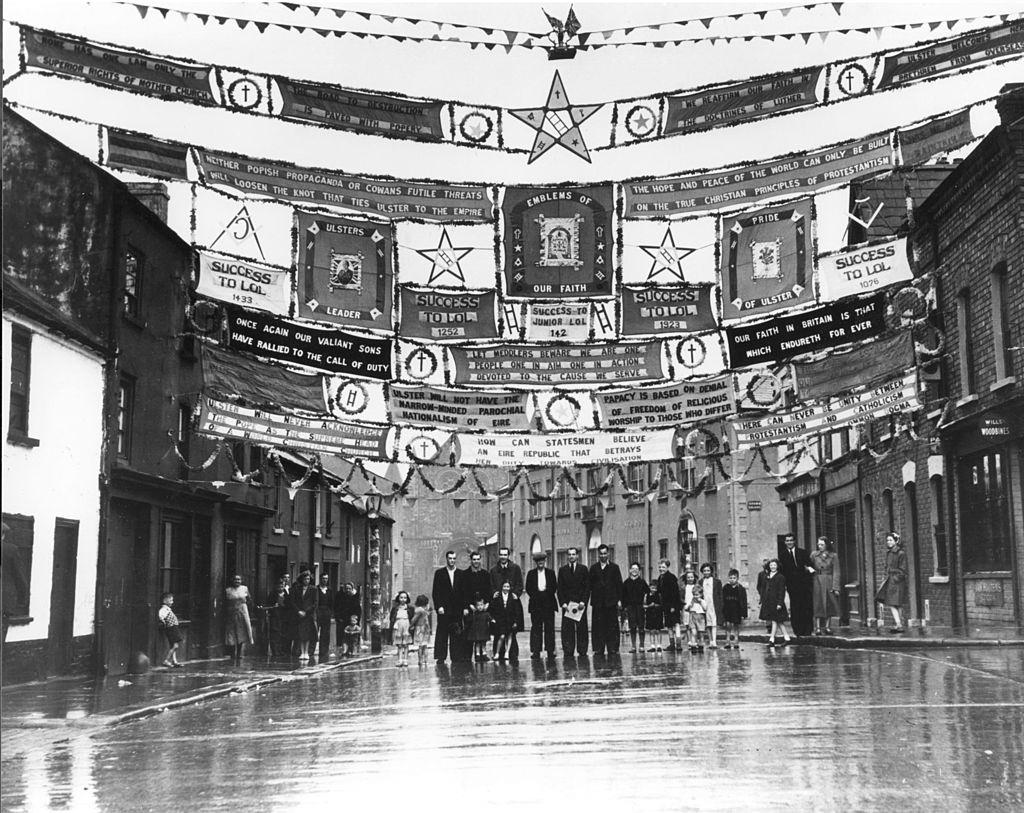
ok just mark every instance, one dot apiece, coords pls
pixel 153 196
pixel 1010 105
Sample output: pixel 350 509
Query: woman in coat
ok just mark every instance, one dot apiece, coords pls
pixel 893 592
pixel 773 605
pixel 304 599
pixel 825 587
pixel 506 612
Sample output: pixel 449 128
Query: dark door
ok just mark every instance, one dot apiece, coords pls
pixel 841 529
pixel 62 595
pixel 128 538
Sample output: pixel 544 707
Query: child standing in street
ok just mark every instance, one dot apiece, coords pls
pixel 734 608
pixel 654 620
pixel 698 619
pixel 478 629
pixel 422 628
pixel 170 628
pixel 401 618
pixel 353 632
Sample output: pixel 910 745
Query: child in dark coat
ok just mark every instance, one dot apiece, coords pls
pixel 734 608
pixel 478 629
pixel 654 620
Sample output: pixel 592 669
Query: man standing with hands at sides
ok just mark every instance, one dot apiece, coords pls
pixel 447 594
pixel 542 587
pixel 799 574
pixel 573 586
pixel 476 585
pixel 506 571
pixel 324 610
pixel 606 599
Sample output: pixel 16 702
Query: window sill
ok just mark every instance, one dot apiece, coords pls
pixel 18 439
pixel 318 535
pixel 938 580
pixel 988 574
pixel 18 620
pixel 134 321
pixel 1003 383
pixel 295 533
pixel 967 400
pixel 278 531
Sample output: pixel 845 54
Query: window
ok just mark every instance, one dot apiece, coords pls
pixel 635 474
pixel 985 534
pixel 636 554
pixel 869 519
pixel 549 506
pixel 564 499
pixel 939 540
pixel 687 474
pixel 662 549
pixel 175 564
pixel 711 551
pixel 125 413
pixel 709 475
pixel 318 510
pixel 17 569
pixel 890 513
pixel 1001 338
pixel 610 494
pixel 966 348
pixel 535 508
pixel 522 503
pixel 21 368
pixel 184 437
pixel 133 265
pixel 833 445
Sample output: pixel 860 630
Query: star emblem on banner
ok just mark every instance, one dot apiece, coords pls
pixel 445 259
pixel 668 257
pixel 557 122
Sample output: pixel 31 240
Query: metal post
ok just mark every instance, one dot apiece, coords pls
pixel 554 508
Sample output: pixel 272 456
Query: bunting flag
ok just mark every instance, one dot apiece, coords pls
pixel 147 156
pixel 557 122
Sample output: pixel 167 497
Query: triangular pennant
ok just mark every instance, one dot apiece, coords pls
pixel 806 35
pixel 762 14
pixel 291 6
pixel 163 12
pixel 220 20
pixel 457 502
pixel 510 36
pixel 204 18
pixel 508 48
pixel 838 7
pixel 241 24
pixel 878 31
pixel 261 27
pixel 933 26
pixel 605 501
pixel 583 38
pixel 291 493
pixel 707 21
pixel 785 11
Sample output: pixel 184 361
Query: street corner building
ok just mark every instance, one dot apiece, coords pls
pixel 110 499
pixel 950 482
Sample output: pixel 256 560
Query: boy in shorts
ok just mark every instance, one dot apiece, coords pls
pixel 170 628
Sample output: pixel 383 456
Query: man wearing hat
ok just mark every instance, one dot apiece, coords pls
pixel 541 587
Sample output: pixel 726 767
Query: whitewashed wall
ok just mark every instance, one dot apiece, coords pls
pixel 59 477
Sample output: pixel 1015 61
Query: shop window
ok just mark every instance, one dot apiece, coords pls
pixel 17 564
pixel 21 369
pixel 965 343
pixel 985 510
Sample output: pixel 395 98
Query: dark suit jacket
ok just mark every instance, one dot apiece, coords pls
pixel 668 591
pixel 796 574
pixel 542 602
pixel 475 582
pixel 324 605
pixel 513 573
pixel 573 586
pixel 307 603
pixel 605 585
pixel 444 595
pixel 346 606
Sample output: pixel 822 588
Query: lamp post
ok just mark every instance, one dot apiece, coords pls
pixel 373 506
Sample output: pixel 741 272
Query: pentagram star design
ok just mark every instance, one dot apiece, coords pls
pixel 668 257
pixel 557 122
pixel 445 259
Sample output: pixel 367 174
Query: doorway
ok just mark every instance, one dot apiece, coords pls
pixel 62 596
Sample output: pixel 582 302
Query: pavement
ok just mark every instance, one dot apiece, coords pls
pixel 46 712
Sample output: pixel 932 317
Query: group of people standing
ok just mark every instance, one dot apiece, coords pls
pixel 299 618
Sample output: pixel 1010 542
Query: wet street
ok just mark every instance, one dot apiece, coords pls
pixel 803 727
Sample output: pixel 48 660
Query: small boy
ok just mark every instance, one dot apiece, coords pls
pixel 170 628
pixel 353 632
pixel 698 619
pixel 734 608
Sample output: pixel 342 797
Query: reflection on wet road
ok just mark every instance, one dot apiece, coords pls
pixel 801 728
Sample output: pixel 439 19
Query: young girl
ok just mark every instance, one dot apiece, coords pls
pixel 401 616
pixel 654 620
pixel 170 628
pixel 353 632
pixel 773 606
pixel 507 614
pixel 697 608
pixel 478 629
pixel 734 608
pixel 422 626
pixel 634 598
pixel 686 596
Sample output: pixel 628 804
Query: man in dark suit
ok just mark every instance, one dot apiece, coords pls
pixel 606 599
pixel 447 597
pixel 542 588
pixel 324 611
pixel 476 584
pixel 796 567
pixel 573 585
pixel 507 571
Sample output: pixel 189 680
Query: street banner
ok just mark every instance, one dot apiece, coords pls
pixel 575 449
pixel 763 389
pixel 862 269
pixel 221 419
pixel 688 402
pixel 723 105
pixel 755 183
pixel 656 252
pixel 446 255
pixel 447 314
pixel 232 375
pixel 562 409
pixel 376 114
pixel 839 372
pixel 124 70
pixel 344 271
pixel 653 310
pixel 459 409
pixel 325 349
pixel 354 399
pixel 558 241
pixel 812 330
pixel 767 260
pixel 375 196
pixel 603 363
pixel 244 282
pixel 953 56
pixel 920 143
pixel 558 321
pixel 891 398
pixel 146 155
